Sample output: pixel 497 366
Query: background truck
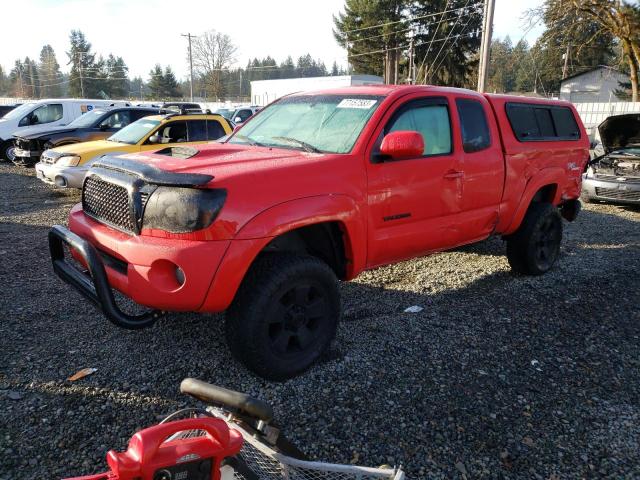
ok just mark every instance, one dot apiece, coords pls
pixel 314 188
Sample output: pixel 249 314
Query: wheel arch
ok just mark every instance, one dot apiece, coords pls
pixel 329 227
pixel 544 187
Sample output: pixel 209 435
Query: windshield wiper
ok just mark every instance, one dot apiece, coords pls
pixel 248 140
pixel 306 146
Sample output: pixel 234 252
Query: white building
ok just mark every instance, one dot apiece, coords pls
pixel 266 91
pixel 595 85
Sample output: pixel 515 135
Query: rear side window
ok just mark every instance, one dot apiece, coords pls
pixel 566 125
pixel 473 123
pixel 532 122
pixel 197 130
pixel 215 130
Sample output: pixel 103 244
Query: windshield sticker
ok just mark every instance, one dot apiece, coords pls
pixel 364 104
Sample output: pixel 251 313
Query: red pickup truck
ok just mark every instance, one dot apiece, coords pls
pixel 314 188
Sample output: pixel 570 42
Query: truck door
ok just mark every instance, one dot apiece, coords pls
pixel 413 202
pixel 482 169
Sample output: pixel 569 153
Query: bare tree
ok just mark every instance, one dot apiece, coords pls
pixel 213 52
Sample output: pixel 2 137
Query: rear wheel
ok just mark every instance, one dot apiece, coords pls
pixel 535 246
pixel 284 316
pixel 7 151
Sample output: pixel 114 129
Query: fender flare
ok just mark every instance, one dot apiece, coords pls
pixel 546 176
pixel 277 220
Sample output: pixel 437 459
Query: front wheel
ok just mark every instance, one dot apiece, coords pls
pixel 535 246
pixel 7 151
pixel 284 316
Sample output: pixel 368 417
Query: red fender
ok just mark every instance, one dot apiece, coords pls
pixel 547 176
pixel 275 221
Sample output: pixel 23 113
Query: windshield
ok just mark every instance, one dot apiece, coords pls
pixel 318 123
pixel 20 111
pixel 134 132
pixel 87 120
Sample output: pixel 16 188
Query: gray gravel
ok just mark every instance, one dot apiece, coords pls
pixel 500 376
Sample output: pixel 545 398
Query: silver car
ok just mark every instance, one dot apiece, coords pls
pixel 615 176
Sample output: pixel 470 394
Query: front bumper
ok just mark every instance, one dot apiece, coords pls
pixel 65 177
pixel 26 157
pixel 158 273
pixel 623 192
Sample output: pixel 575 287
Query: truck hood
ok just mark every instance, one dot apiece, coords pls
pixel 620 131
pixel 31 133
pixel 88 148
pixel 220 159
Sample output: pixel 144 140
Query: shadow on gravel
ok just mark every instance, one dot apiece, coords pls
pixel 499 375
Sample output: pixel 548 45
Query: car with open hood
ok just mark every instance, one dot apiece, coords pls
pixel 66 166
pixel 97 124
pixel 615 176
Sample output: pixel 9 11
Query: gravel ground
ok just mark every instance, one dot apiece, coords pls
pixel 500 376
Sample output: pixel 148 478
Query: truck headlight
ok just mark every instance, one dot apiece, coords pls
pixel 182 210
pixel 68 161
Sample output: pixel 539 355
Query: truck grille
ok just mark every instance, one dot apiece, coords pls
pixel 108 203
pixel 616 194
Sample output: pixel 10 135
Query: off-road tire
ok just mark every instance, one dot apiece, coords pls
pixel 4 151
pixel 273 327
pixel 535 246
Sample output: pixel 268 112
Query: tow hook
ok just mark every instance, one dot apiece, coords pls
pixel 570 209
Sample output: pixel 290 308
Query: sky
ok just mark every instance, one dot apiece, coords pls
pixel 148 32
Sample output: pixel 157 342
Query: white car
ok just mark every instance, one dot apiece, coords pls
pixel 242 114
pixel 50 112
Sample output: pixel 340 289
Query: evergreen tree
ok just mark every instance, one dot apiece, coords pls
pixel 169 84
pixel 334 69
pixel 17 80
pixel 117 76
pixel 51 78
pixel 31 78
pixel 288 68
pixel 4 82
pixel 156 83
pixel 82 63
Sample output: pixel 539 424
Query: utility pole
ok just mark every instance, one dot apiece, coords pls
pixel 485 46
pixel 565 68
pixel 411 79
pixel 189 36
pixel 240 70
pixel 80 54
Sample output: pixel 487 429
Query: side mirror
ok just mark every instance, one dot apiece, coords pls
pixel 103 127
pixel 402 144
pixel 237 120
pixel 154 139
pixel 236 128
pixel 33 120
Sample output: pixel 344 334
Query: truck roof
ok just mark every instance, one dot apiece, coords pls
pixel 386 90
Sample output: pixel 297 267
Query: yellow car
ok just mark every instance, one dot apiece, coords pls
pixel 66 166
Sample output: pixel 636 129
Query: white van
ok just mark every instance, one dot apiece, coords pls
pixel 49 112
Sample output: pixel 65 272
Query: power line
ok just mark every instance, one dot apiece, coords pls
pixel 404 20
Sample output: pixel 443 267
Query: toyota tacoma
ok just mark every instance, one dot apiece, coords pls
pixel 314 188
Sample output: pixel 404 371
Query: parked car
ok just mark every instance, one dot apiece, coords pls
pixel 4 109
pixel 243 114
pixel 614 177
pixel 319 187
pixel 183 106
pixel 51 112
pixel 66 166
pixel 226 113
pixel 95 125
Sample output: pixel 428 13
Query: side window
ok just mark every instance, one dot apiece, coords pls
pixel 197 130
pixel 429 118
pixel 173 132
pixel 531 122
pixel 565 123
pixel 215 130
pixel 138 114
pixel 44 114
pixel 545 124
pixel 244 114
pixel 523 121
pixel 117 120
pixel 474 126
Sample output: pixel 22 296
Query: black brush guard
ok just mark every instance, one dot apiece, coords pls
pixel 94 285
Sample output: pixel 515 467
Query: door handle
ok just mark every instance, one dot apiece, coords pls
pixel 453 174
